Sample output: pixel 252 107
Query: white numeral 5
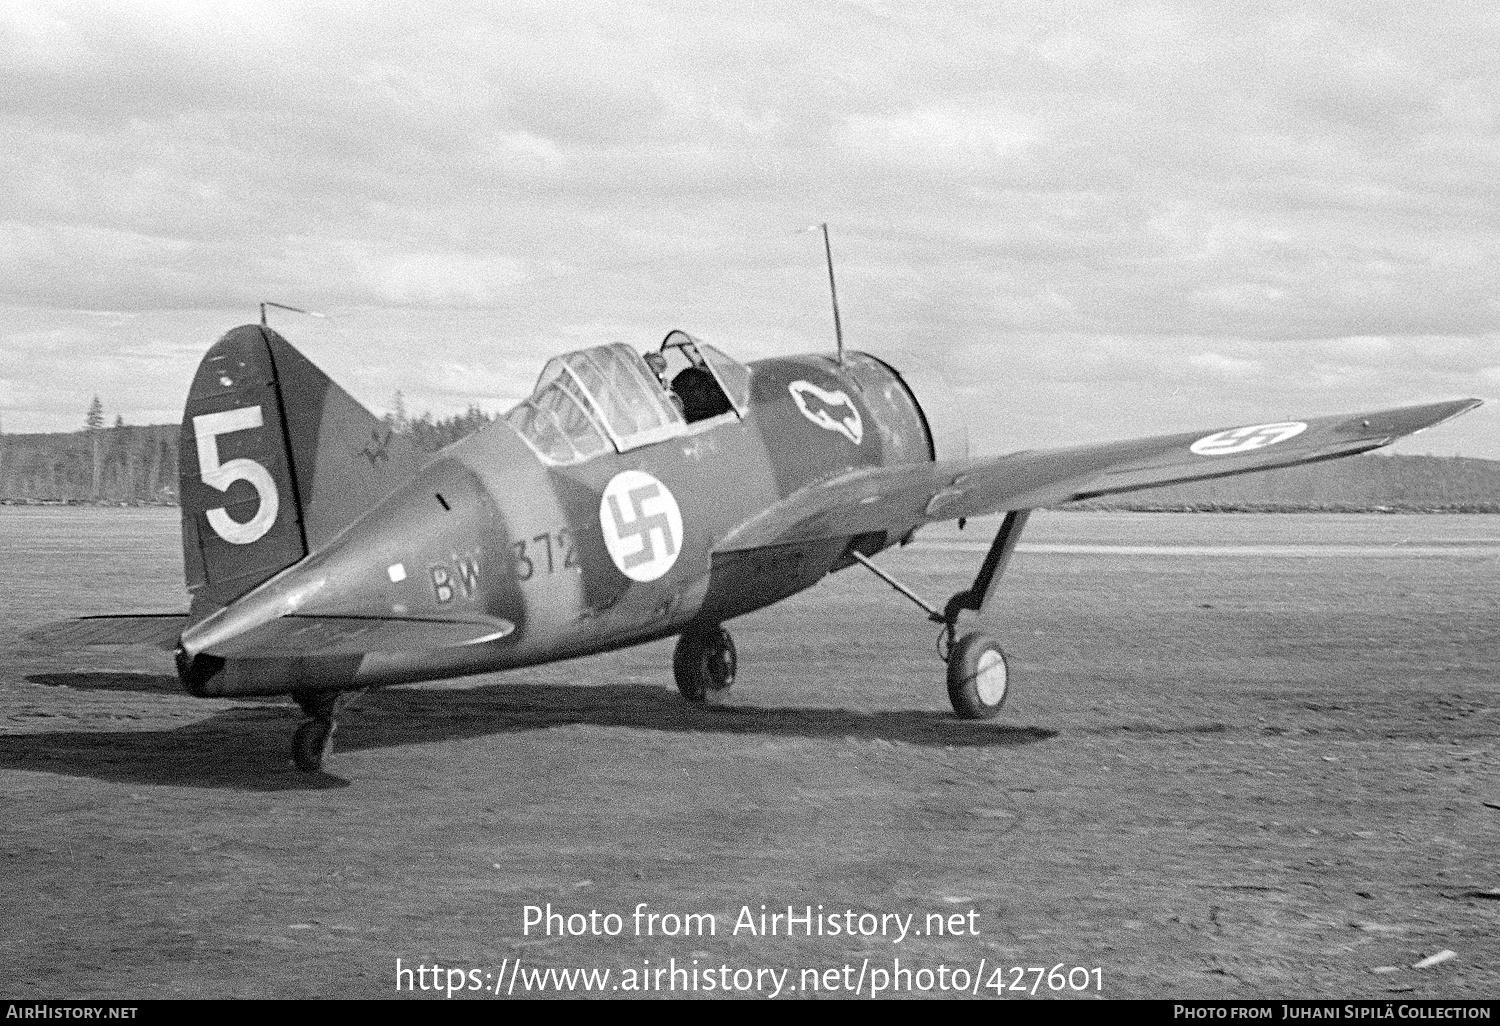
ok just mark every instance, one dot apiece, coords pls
pixel 207 430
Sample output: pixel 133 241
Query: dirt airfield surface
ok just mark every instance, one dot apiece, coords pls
pixel 1243 757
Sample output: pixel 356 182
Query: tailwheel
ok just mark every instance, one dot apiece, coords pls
pixel 313 741
pixel 704 663
pixel 978 677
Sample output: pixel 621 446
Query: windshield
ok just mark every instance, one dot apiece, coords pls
pixel 588 401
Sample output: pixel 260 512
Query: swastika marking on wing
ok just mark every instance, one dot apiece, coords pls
pixel 641 524
pixel 1244 439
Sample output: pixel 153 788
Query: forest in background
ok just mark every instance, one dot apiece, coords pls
pixel 130 464
pixel 138 465
pixel 1394 483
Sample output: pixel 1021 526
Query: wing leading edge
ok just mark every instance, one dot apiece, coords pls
pixel 890 498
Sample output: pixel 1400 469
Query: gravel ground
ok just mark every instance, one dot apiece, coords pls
pixel 1262 766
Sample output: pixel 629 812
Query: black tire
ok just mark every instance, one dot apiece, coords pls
pixel 978 677
pixel 310 745
pixel 704 664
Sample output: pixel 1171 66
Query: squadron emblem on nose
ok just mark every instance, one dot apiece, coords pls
pixel 831 411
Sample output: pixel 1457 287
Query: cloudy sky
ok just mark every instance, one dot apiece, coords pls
pixel 1098 219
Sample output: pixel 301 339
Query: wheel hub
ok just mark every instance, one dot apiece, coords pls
pixel 991 677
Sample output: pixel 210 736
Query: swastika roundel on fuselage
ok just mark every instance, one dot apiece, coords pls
pixel 642 525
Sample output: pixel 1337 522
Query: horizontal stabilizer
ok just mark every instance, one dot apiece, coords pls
pixel 356 635
pixel 160 630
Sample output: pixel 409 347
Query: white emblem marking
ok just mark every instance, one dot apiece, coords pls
pixel 206 429
pixel 832 411
pixel 1256 436
pixel 642 525
pixel 397 572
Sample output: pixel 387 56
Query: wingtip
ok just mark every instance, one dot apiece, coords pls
pixel 1462 406
pixel 1441 413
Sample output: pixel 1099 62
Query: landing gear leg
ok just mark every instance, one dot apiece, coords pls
pixel 704 663
pixel 978 674
pixel 313 741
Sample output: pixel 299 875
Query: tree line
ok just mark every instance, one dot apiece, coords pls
pixel 130 464
pixel 1367 482
pixel 430 434
pixel 115 464
pixel 138 464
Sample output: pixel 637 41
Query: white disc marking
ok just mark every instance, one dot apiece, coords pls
pixel 1244 439
pixel 642 525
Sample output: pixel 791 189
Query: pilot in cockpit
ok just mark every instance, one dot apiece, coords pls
pixel 658 365
pixel 701 395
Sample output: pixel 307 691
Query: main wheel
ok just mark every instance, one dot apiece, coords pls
pixel 310 745
pixel 704 664
pixel 978 677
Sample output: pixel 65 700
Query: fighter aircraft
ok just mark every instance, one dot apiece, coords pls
pixel 631 497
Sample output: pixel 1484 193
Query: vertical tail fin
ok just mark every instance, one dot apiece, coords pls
pixel 275 461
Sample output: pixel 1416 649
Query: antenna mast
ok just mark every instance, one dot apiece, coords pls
pixel 283 306
pixel 833 290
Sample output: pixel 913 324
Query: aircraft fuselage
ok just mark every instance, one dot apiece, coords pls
pixel 585 557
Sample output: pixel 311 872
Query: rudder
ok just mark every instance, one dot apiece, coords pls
pixel 274 461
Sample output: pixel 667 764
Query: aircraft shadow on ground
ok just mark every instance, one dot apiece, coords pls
pixel 248 748
pixel 144 683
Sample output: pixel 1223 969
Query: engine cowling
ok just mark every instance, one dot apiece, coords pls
pixel 947 430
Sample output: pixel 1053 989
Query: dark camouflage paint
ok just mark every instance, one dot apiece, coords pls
pixel 503 516
pixel 330 458
pixel 488 536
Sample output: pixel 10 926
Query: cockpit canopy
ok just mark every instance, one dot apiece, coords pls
pixel 727 384
pixel 593 400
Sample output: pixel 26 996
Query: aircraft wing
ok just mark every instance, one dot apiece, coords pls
pixel 890 498
pixel 283 636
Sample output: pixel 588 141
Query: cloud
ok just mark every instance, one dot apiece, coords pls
pixel 953 142
pixel 1227 367
pixel 1098 217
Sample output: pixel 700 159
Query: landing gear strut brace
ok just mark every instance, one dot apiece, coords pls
pixel 978 595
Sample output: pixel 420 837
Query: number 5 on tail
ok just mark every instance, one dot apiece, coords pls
pixel 206 429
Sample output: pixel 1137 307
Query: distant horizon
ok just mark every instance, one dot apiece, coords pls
pixel 1098 221
pixel 1384 451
